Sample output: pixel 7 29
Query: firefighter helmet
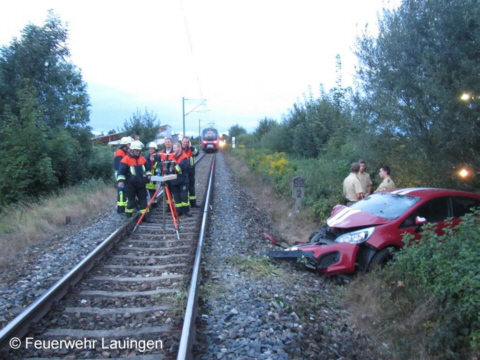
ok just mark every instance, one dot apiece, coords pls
pixel 136 145
pixel 126 140
pixel 152 145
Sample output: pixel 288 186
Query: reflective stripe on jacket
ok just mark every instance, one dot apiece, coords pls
pixel 134 170
pixel 191 152
pixel 181 167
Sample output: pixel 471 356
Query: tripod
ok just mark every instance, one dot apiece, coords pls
pixel 171 206
pixel 167 193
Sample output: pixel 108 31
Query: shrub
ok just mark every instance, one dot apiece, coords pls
pixel 447 267
pixel 100 164
pixel 428 300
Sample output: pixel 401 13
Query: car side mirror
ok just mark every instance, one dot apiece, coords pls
pixel 420 220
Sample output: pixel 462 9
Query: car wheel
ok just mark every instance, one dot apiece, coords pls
pixel 381 258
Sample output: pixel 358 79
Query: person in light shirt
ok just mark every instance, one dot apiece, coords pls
pixel 352 187
pixel 364 178
pixel 387 182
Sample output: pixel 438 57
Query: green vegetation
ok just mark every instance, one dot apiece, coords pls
pixel 407 112
pixel 255 267
pixel 44 138
pixel 428 300
pixel 144 125
pixel 45 142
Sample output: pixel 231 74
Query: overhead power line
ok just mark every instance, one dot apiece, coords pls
pixel 191 49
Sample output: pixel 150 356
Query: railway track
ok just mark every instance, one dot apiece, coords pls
pixel 134 296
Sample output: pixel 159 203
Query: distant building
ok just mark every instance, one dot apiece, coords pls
pixel 109 139
pixel 114 139
pixel 164 131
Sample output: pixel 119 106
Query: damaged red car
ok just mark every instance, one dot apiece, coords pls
pixel 364 235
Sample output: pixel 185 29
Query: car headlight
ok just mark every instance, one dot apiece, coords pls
pixel 293 248
pixel 356 237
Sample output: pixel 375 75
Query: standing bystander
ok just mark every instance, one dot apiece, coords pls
pixel 352 188
pixel 364 178
pixel 387 182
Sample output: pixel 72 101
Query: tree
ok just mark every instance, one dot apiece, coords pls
pixel 41 57
pixel 144 125
pixel 236 130
pixel 278 139
pixel 413 74
pixel 44 111
pixel 264 126
pixel 26 171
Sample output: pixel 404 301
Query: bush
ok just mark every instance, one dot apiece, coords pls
pixel 428 300
pixel 100 164
pixel 447 267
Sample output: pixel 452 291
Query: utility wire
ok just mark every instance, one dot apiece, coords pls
pixel 191 49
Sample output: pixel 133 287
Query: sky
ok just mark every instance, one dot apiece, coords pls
pixel 219 62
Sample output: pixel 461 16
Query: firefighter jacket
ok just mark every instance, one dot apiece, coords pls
pixel 181 168
pixel 155 168
pixel 164 155
pixel 191 152
pixel 167 165
pixel 118 156
pixel 134 171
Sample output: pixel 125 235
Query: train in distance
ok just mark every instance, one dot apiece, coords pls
pixel 211 140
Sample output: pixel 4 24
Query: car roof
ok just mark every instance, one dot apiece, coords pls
pixel 427 193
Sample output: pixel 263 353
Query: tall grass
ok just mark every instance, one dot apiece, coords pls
pixel 290 226
pixel 28 222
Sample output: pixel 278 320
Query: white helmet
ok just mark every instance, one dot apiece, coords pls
pixel 152 145
pixel 126 140
pixel 136 145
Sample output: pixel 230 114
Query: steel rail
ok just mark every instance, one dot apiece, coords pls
pixel 21 324
pixel 187 337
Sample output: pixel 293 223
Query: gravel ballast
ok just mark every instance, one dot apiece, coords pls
pixel 289 313
pixel 250 307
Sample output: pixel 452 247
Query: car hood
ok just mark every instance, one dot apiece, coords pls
pixel 345 217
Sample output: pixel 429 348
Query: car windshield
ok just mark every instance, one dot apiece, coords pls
pixel 386 205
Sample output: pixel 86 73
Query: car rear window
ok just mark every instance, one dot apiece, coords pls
pixel 386 205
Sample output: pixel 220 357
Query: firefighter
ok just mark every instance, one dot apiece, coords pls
pixel 179 186
pixel 166 154
pixel 133 174
pixel 155 166
pixel 191 152
pixel 167 165
pixel 121 152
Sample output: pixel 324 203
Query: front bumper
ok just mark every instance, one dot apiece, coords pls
pixel 325 259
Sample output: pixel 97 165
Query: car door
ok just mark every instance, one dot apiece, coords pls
pixel 435 211
pixel 463 205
